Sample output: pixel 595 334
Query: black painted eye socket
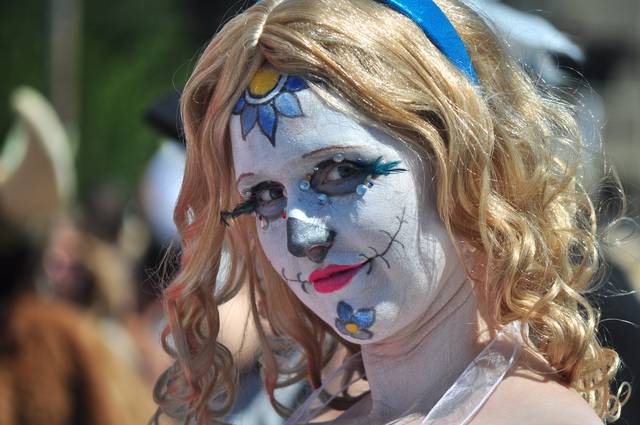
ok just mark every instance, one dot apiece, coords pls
pixel 341 171
pixel 268 195
pixel 269 199
pixel 338 178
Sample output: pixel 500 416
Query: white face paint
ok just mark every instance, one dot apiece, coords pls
pixel 392 230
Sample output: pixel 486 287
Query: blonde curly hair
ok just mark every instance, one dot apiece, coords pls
pixel 502 186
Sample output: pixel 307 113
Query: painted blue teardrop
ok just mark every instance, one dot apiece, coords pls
pixel 295 83
pixel 344 311
pixel 288 105
pixel 362 334
pixel 341 327
pixel 239 105
pixel 364 317
pixel 248 119
pixel 267 119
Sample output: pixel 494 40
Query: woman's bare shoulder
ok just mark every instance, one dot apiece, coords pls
pixel 528 397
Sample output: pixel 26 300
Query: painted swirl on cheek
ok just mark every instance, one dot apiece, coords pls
pixel 306 286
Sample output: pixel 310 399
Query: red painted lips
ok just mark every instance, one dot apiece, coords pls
pixel 333 277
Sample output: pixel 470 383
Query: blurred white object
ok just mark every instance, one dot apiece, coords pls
pixel 534 41
pixel 160 188
pixel 531 38
pixel 37 173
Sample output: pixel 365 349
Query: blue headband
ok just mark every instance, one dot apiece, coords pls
pixel 439 30
pixel 437 27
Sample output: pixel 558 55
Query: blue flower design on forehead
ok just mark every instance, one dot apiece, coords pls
pixel 269 96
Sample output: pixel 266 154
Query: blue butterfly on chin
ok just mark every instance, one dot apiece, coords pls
pixel 355 323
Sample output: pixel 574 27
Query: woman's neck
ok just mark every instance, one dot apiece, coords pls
pixel 411 371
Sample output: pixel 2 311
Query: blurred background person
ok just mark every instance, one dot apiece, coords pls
pixel 56 367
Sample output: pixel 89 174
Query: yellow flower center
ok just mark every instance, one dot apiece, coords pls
pixel 351 328
pixel 264 81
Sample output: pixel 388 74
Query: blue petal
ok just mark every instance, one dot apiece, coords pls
pixel 364 317
pixel 345 311
pixel 248 118
pixel 268 120
pixel 295 83
pixel 288 105
pixel 341 328
pixel 362 334
pixel 239 105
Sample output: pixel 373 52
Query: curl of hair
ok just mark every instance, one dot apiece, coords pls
pixel 502 185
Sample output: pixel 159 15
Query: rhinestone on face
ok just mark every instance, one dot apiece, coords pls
pixel 263 222
pixel 368 181
pixel 361 189
pixel 323 198
pixel 304 185
pixel 338 157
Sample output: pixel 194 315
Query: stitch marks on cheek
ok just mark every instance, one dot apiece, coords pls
pixel 306 286
pixel 393 238
pixel 355 323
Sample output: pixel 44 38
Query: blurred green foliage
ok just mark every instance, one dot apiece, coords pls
pixel 23 42
pixel 131 53
pixel 134 52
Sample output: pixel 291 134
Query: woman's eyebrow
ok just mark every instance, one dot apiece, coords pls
pixel 331 148
pixel 243 175
pixel 312 154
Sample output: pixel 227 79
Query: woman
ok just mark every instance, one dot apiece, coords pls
pixel 387 181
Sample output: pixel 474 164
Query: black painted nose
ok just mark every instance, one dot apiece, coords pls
pixel 308 240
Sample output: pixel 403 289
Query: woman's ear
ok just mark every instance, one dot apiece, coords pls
pixel 467 250
pixel 473 261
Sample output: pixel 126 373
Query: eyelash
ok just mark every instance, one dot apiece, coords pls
pixel 373 168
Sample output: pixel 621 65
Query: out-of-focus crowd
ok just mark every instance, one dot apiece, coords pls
pixel 80 311
pixel 80 317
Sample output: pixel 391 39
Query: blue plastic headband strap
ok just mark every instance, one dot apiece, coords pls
pixel 439 30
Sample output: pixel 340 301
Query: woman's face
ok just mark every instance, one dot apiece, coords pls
pixel 342 210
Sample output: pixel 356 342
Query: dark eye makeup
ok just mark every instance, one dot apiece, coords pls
pixel 268 199
pixel 338 178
